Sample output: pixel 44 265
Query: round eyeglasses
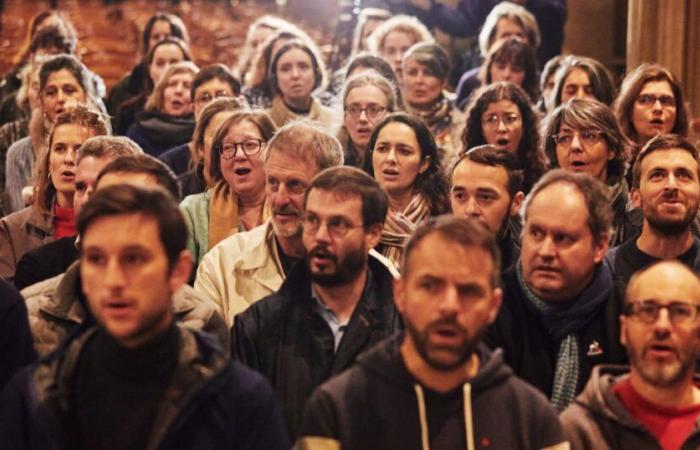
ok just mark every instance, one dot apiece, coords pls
pixel 372 111
pixel 249 147
pixel 587 137
pixel 679 313
pixel 493 120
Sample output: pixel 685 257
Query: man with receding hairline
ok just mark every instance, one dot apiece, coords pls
pixel 655 402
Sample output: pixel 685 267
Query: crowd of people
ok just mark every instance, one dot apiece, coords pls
pixel 272 255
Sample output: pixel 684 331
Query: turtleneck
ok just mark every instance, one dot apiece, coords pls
pixel 63 222
pixel 121 390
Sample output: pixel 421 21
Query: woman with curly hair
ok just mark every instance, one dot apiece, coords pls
pixel 501 115
pixel 405 162
pixel 584 136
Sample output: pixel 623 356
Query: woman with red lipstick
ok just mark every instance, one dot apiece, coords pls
pixel 651 102
pixel 236 201
pixel 295 72
pixel 426 68
pixel 584 136
pixel 501 114
pixel 404 160
pixel 367 98
pixel 51 215
pixel 167 120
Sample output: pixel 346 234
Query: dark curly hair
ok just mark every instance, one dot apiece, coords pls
pixel 432 183
pixel 529 156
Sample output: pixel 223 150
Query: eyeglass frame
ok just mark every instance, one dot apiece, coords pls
pixel 237 145
pixel 597 133
pixel 504 119
pixel 335 233
pixel 217 94
pixel 629 311
pixel 656 98
pixel 358 114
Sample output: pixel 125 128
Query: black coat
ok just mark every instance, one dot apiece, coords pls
pixel 532 352
pixel 45 262
pixel 210 402
pixel 15 338
pixel 284 337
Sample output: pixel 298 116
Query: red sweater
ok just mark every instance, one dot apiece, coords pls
pixel 670 426
pixel 63 222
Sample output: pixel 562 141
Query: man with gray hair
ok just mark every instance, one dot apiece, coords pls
pixel 559 313
pixel 55 257
pixel 248 266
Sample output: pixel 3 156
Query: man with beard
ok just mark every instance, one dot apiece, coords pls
pixel 560 310
pixel 487 185
pixel 335 305
pixel 655 403
pixel 666 186
pixel 248 266
pixel 435 386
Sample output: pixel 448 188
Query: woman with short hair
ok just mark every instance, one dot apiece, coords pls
pixel 236 200
pixel 583 135
pixel 404 160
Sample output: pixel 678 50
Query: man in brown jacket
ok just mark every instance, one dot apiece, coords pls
pixel 656 402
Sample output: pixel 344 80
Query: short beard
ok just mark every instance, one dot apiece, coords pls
pixel 665 376
pixel 462 353
pixel 670 228
pixel 346 270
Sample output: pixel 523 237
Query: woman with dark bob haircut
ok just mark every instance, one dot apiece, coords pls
pixel 651 103
pixel 582 77
pixel 584 136
pixel 501 115
pixel 403 158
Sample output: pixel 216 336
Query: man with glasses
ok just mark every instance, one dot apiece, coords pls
pixel 666 188
pixel 655 403
pixel 250 265
pixel 334 305
pixel 559 313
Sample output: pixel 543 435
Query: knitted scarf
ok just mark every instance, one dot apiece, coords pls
pixel 562 323
pixel 223 213
pixel 398 226
pixel 619 198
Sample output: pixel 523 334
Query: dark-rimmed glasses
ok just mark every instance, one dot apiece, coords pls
pixel 249 147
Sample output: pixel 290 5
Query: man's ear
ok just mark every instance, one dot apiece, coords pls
pixel 623 330
pixel 180 270
pixel 399 294
pixel 372 235
pixel 635 198
pixel 496 301
pixel 601 248
pixel 516 203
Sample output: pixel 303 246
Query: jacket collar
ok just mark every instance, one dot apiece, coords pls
pixel 262 258
pixel 40 220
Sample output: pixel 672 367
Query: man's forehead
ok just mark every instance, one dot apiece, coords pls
pixel 438 257
pixel 670 281
pixel 667 158
pixel 473 173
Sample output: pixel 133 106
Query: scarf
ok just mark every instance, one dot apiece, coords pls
pixel 168 131
pixel 399 226
pixel 223 213
pixel 438 117
pixel 562 322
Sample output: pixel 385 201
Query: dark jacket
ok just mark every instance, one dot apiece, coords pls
pixel 177 158
pixel 156 132
pixel 377 404
pixel 532 352
pixel 45 262
pixel 15 339
pixel 284 337
pixel 598 419
pixel 210 403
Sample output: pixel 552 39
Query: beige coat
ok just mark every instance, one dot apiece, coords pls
pixel 21 232
pixel 55 310
pixel 240 270
pixel 280 114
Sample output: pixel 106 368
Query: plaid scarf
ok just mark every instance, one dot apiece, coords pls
pixel 398 226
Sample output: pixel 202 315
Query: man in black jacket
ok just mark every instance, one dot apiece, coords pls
pixel 487 185
pixel 436 386
pixel 137 380
pixel 560 312
pixel 332 307
pixel 666 186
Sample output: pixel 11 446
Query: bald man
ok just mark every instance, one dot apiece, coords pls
pixel 655 402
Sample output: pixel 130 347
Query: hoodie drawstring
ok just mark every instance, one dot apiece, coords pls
pixel 468 423
pixel 425 445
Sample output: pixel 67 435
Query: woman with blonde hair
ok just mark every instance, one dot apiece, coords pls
pixel 394 37
pixel 167 120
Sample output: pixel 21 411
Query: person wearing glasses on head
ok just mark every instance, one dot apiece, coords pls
pixel 501 115
pixel 666 188
pixel 655 402
pixel 425 72
pixel 367 98
pixel 583 136
pixel 236 200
